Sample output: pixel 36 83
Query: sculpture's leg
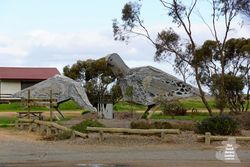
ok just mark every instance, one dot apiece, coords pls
pixel 57 109
pixel 146 113
pixel 153 109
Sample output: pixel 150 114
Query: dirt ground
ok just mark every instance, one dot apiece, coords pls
pixel 20 148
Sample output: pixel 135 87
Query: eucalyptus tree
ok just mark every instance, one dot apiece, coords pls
pixel 97 79
pixel 186 52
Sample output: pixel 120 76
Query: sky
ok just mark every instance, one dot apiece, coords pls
pixel 56 33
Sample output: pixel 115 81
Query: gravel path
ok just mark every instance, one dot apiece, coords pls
pixel 19 148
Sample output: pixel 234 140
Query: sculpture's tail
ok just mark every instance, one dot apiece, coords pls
pixel 81 97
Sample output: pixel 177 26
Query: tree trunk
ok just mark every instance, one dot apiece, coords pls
pixel 247 98
pixel 222 87
pixel 204 100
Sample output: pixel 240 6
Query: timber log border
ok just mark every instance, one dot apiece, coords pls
pixel 208 138
pixel 48 127
pixel 162 132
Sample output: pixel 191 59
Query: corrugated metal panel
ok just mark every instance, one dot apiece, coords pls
pixel 27 73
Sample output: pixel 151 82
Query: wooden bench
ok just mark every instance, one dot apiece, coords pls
pixel 36 114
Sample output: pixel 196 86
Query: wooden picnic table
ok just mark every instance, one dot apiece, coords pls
pixel 33 114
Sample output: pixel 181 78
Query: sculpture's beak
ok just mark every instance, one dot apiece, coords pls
pixel 107 61
pixel 109 65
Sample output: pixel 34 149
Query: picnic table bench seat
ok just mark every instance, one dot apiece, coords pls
pixel 33 114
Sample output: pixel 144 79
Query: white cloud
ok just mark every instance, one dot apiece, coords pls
pixel 13 50
pixel 10 47
pixel 46 48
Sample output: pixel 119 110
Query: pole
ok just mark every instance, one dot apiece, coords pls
pixel 28 104
pixel 50 105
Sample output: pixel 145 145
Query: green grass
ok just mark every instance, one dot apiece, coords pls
pixel 11 107
pixel 125 106
pixel 69 105
pixel 15 107
pixel 120 106
pixel 19 107
pixel 187 103
pixel 197 104
pixel 7 120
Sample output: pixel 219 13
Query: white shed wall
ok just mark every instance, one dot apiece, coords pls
pixel 10 87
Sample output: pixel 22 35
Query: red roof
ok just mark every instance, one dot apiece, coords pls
pixel 27 73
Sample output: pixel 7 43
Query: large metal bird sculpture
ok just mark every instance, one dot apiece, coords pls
pixel 63 89
pixel 148 83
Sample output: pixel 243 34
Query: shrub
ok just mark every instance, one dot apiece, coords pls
pixel 60 136
pixel 140 125
pixel 244 119
pixel 150 125
pixel 218 125
pixel 173 108
pixel 162 125
pixel 81 127
pixel 184 125
pixel 64 135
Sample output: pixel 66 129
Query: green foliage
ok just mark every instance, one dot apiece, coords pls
pixel 173 108
pixel 81 127
pixel 143 124
pixel 116 93
pixel 226 85
pixel 213 57
pixel 130 13
pixel 218 125
pixel 245 8
pixel 96 76
pixel 169 39
pixel 233 88
pixel 131 19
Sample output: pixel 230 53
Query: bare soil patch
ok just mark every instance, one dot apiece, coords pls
pixel 20 148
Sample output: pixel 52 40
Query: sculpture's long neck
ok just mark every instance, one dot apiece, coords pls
pixel 121 69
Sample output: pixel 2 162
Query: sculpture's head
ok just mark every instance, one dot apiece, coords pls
pixel 119 68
